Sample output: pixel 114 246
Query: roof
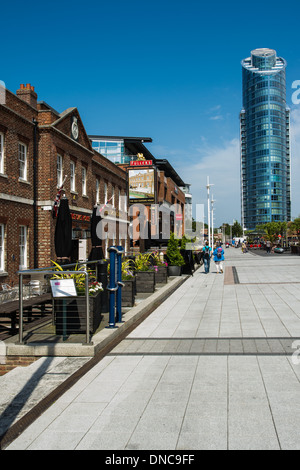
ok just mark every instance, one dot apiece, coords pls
pixel 114 137
pixel 136 145
pixel 165 166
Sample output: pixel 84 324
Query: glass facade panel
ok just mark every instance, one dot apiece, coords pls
pixel 264 126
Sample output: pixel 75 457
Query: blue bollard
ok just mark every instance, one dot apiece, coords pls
pixel 113 287
pixel 120 284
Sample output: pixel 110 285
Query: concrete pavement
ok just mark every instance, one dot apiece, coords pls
pixel 215 366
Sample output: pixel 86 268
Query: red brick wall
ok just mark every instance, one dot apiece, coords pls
pixel 16 124
pixel 11 362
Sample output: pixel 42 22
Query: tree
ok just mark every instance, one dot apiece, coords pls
pixel 294 226
pixel 273 230
pixel 237 230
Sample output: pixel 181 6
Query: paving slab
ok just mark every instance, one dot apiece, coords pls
pixel 215 366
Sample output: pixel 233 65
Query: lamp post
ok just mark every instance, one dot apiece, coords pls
pixel 212 222
pixel 208 209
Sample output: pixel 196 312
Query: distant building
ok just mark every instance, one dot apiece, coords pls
pixel 265 140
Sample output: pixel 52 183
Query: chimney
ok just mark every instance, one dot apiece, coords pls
pixel 28 94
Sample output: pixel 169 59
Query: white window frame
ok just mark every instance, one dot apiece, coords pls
pixel 1 153
pixel 23 242
pixel 72 176
pixel 105 193
pixel 22 156
pixel 59 170
pixel 84 180
pixel 2 232
pixel 113 196
pixel 97 191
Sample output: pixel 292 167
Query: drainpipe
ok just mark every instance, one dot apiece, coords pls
pixel 35 226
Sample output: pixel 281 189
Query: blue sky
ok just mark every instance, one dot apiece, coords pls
pixel 169 70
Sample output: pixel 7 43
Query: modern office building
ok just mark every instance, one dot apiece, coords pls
pixel 265 142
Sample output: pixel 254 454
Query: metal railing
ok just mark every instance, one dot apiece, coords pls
pixel 51 271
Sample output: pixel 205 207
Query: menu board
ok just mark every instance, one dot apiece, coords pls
pixel 63 287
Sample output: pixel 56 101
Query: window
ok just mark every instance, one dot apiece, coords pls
pixel 1 247
pixel 23 247
pixel 1 153
pixel 97 191
pixel 22 161
pixel 113 196
pixel 105 193
pixel 59 170
pixel 72 176
pixel 83 174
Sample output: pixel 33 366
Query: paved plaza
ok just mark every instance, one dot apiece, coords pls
pixel 215 366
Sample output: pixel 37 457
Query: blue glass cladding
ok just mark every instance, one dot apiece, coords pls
pixel 265 165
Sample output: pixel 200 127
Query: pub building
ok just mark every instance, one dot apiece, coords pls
pixel 41 151
pixel 153 183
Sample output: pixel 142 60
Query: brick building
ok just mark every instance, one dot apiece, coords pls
pixel 152 182
pixel 39 150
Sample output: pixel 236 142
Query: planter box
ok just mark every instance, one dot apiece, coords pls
pixel 161 275
pixel 145 281
pixel 70 314
pixel 174 270
pixel 128 293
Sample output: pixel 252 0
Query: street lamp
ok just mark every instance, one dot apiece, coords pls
pixel 212 221
pixel 208 209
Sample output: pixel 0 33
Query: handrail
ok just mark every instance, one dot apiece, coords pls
pixel 87 302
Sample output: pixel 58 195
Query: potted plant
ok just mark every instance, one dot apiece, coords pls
pixel 144 272
pixel 160 268
pixel 175 259
pixel 70 312
pixel 128 279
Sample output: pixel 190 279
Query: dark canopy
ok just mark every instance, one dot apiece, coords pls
pixel 63 230
pixel 97 251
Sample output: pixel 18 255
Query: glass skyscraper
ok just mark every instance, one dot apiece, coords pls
pixel 265 143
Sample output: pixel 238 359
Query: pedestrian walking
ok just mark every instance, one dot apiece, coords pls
pixel 219 258
pixel 206 257
pixel 268 246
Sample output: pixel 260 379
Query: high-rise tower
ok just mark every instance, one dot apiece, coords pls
pixel 265 143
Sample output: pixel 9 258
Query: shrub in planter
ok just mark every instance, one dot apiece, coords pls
pixel 128 279
pixel 145 276
pixel 175 259
pixel 160 268
pixel 70 312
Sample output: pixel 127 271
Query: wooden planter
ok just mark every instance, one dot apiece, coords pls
pixel 70 314
pixel 128 293
pixel 145 281
pixel 161 275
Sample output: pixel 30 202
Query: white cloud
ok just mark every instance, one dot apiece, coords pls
pixel 222 165
pixel 216 118
pixel 295 160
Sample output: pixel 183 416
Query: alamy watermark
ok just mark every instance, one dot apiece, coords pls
pixel 2 353
pixel 296 354
pixel 296 94
pixel 151 222
pixel 2 92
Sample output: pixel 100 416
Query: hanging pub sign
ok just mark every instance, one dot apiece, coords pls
pixel 141 163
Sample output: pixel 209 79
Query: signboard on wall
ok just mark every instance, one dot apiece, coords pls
pixel 141 185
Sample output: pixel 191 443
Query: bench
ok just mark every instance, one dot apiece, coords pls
pixel 11 309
